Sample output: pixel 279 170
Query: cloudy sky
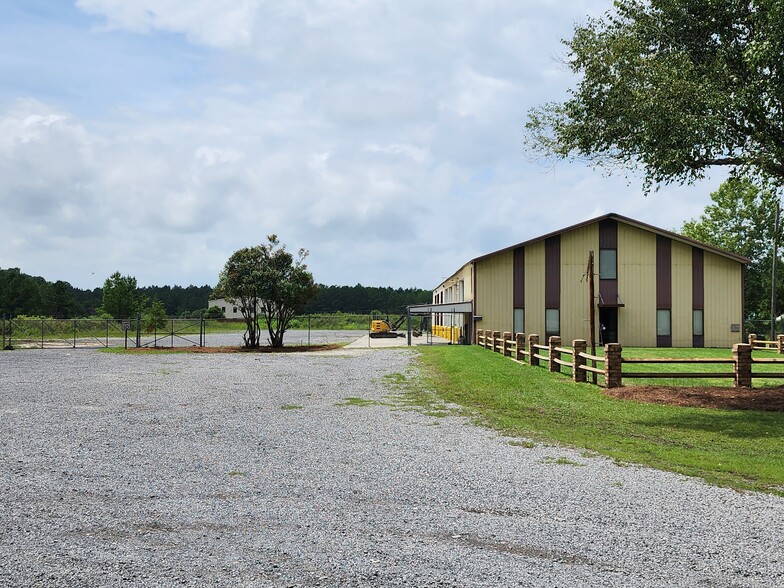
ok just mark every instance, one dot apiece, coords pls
pixel 156 137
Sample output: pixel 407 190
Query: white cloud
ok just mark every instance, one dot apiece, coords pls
pixel 383 137
pixel 211 22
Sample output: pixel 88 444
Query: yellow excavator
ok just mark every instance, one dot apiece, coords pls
pixel 382 329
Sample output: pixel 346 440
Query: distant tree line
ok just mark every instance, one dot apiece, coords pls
pixel 23 294
pixel 365 299
pixel 31 295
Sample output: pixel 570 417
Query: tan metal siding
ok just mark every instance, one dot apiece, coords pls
pixel 723 300
pixel 453 282
pixel 534 288
pixel 681 295
pixel 575 246
pixel 636 286
pixel 494 291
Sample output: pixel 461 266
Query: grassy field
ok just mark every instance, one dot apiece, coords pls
pixel 327 322
pixel 739 449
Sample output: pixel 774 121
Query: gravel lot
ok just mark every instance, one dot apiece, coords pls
pixel 252 470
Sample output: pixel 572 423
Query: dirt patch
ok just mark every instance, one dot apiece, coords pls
pixel 264 349
pixel 705 397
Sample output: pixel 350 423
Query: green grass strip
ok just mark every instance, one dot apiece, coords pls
pixel 738 449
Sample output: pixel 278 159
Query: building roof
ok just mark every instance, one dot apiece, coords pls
pixel 634 223
pixel 619 218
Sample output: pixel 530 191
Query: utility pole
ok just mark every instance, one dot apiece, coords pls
pixel 773 272
pixel 591 309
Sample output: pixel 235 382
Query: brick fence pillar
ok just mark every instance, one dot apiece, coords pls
pixel 505 344
pixel 780 343
pixel 752 339
pixel 496 340
pixel 613 364
pixel 579 346
pixel 741 354
pixel 533 340
pixel 554 342
pixel 520 347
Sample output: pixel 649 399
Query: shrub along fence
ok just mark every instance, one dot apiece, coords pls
pixel 529 350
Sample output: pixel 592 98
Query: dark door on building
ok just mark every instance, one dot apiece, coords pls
pixel 608 325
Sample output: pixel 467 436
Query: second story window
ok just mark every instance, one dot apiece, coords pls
pixel 608 264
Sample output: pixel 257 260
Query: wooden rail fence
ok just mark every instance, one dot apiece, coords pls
pixel 529 350
pixel 758 343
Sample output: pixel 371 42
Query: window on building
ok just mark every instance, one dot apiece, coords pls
pixel 461 291
pixel 235 310
pixel 697 322
pixel 664 322
pixel 608 264
pixel 552 322
pixel 223 308
pixel 519 320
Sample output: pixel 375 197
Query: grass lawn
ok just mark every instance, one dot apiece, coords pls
pixel 736 448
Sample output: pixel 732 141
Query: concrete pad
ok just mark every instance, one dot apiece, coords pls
pixel 368 343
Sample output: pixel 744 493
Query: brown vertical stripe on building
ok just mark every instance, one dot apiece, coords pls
pixel 519 278
pixel 608 234
pixel 608 292
pixel 552 272
pixel 697 278
pixel 698 291
pixel 608 239
pixel 663 272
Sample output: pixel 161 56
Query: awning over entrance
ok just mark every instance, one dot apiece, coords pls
pixel 446 307
pixel 443 308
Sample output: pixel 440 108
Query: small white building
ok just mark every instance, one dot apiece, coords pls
pixel 230 310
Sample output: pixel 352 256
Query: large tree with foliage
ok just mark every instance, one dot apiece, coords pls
pixel 266 281
pixel 673 87
pixel 121 298
pixel 741 219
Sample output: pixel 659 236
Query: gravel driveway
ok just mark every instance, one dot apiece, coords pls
pixel 254 470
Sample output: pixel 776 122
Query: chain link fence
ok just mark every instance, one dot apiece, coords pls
pixel 47 333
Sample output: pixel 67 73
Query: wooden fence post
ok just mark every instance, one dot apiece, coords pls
pixel 507 337
pixel 780 343
pixel 496 339
pixel 520 347
pixel 578 346
pixel 741 353
pixel 552 343
pixel 489 340
pixel 613 365
pixel 752 339
pixel 533 341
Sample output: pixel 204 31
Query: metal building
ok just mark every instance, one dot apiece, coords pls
pixel 652 287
